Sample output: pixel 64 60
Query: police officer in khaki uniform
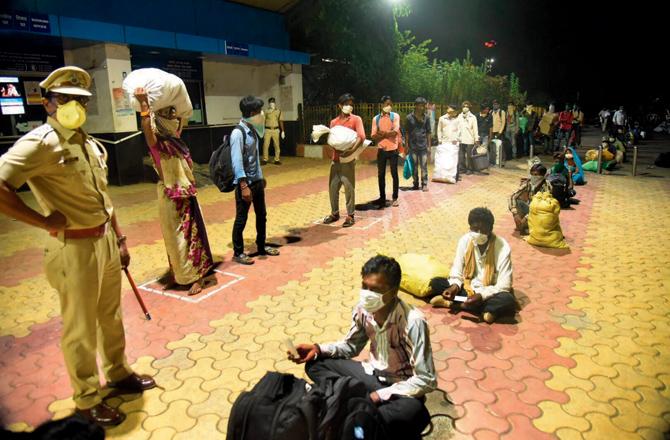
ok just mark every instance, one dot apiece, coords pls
pixel 273 127
pixel 85 251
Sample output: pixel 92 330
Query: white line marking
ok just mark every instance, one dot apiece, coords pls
pixel 194 299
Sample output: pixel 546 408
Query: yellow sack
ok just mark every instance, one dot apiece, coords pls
pixel 417 272
pixel 543 223
pixel 593 155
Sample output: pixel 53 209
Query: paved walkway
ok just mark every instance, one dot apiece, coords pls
pixel 588 357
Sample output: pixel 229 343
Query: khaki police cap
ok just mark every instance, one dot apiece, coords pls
pixel 69 80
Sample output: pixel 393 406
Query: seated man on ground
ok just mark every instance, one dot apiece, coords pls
pixel 482 272
pixel 519 202
pixel 400 370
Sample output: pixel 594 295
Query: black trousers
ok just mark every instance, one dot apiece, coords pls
pixel 392 158
pixel 405 417
pixel 242 213
pixel 500 304
pixel 464 158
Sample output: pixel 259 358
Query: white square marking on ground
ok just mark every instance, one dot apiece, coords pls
pixel 195 298
pixel 360 218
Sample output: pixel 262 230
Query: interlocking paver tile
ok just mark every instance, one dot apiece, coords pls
pixel 581 344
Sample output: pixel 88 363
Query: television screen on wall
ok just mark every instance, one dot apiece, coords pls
pixel 11 101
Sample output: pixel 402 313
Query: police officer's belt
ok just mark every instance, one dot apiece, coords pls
pixel 97 232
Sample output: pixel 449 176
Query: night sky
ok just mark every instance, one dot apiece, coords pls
pixel 605 51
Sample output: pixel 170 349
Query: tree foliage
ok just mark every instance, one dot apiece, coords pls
pixel 358 48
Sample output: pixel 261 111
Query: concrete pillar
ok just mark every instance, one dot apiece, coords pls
pixel 108 110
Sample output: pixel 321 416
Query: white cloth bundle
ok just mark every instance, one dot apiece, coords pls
pixel 341 139
pixel 163 90
pixel 446 163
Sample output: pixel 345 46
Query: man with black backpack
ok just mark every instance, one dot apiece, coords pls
pixel 400 370
pixel 249 182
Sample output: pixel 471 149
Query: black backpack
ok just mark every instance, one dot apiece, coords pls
pixel 221 164
pixel 559 189
pixel 280 407
pixel 349 414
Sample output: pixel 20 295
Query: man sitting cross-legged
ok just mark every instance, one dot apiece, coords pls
pixel 400 370
pixel 482 272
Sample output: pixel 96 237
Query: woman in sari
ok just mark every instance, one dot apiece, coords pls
pixel 181 220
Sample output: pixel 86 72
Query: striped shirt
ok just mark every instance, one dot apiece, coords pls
pixel 400 350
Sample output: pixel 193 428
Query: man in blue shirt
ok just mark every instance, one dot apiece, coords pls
pixel 249 178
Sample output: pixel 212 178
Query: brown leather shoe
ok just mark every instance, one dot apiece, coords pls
pixel 103 415
pixel 134 383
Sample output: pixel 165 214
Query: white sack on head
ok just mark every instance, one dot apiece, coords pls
pixel 163 90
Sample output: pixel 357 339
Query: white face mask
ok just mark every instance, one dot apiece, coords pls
pixel 466 110
pixel 386 109
pixel 371 301
pixel 272 106
pixel 536 180
pixel 479 239
pixel 347 109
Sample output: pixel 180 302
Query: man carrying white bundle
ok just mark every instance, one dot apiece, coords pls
pixel 343 172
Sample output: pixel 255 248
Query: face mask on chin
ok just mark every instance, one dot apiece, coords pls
pixel 347 109
pixel 371 301
pixel 71 115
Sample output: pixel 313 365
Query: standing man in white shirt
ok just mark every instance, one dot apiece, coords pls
pixel 446 157
pixel 604 116
pixel 468 137
pixel 619 121
pixel 400 370
pixel 482 272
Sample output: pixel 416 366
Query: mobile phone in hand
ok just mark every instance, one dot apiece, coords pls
pixel 291 348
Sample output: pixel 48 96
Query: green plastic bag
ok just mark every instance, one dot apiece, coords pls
pixel 591 165
pixel 408 169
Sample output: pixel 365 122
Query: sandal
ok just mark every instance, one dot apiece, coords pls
pixel 243 259
pixel 349 222
pixel 331 218
pixel 267 250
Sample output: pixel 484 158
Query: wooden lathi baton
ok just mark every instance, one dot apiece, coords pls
pixel 137 294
